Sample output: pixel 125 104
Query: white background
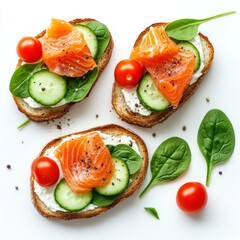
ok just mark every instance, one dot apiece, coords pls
pixel 125 19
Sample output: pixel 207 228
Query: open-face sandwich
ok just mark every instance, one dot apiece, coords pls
pixel 59 67
pixel 86 173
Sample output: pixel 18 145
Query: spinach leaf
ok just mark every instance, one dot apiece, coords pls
pixel 186 29
pixel 152 211
pixel 103 201
pixel 103 36
pixel 78 88
pixel 170 160
pixel 216 139
pixel 127 154
pixel 20 79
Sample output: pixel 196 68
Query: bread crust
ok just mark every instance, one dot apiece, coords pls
pixel 125 113
pixel 136 182
pixel 47 113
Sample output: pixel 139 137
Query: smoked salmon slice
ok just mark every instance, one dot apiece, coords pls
pixel 86 162
pixel 65 51
pixel 170 67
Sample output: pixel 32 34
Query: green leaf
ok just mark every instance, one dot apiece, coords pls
pixel 103 36
pixel 216 139
pixel 20 79
pixel 152 211
pixel 186 29
pixel 103 201
pixel 169 161
pixel 127 154
pixel 23 124
pixel 78 88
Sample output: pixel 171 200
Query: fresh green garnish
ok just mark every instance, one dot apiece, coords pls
pixel 20 79
pixel 103 36
pixel 216 139
pixel 152 211
pixel 186 29
pixel 78 88
pixel 127 154
pixel 169 161
pixel 23 124
pixel 103 201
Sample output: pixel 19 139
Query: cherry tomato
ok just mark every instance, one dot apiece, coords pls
pixel 192 197
pixel 45 171
pixel 29 49
pixel 128 73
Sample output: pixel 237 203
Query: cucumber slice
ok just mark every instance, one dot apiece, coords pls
pixel 190 47
pixel 119 181
pixel 47 88
pixel 70 200
pixel 89 37
pixel 149 95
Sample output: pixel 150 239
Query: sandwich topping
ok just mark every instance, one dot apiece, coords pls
pixel 90 165
pixel 65 51
pixel 171 68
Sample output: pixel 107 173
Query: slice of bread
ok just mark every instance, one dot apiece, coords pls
pixel 135 183
pixel 49 113
pixel 125 113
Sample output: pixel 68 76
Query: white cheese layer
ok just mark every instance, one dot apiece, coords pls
pixel 34 104
pixel 46 195
pixel 131 96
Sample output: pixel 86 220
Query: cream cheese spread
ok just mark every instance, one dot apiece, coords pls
pixel 131 96
pixel 34 104
pixel 46 194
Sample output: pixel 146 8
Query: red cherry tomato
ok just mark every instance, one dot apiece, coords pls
pixel 192 197
pixel 128 73
pixel 45 171
pixel 29 49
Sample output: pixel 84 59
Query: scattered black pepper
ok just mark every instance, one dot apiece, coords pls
pixel 154 134
pixel 220 172
pixel 97 115
pixel 184 128
pixel 59 126
pixel 9 166
pixel 17 188
pixel 207 99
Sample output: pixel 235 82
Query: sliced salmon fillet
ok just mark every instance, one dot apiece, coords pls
pixel 154 46
pixel 86 162
pixel 170 67
pixel 65 51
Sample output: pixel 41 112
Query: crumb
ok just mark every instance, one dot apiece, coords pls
pixel 220 172
pixel 9 166
pixel 59 127
pixel 184 128
pixel 208 99
pixel 17 188
pixel 154 134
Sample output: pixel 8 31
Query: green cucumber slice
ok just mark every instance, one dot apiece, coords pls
pixel 89 37
pixel 149 95
pixel 119 181
pixel 47 88
pixel 190 47
pixel 69 200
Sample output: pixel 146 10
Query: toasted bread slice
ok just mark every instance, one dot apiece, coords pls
pixel 49 113
pixel 136 179
pixel 125 113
